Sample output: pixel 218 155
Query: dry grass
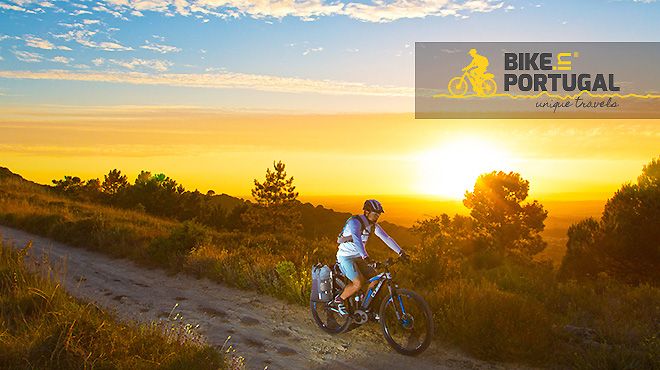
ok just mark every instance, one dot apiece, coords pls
pixel 42 327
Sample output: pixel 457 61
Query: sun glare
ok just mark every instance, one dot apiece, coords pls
pixel 454 166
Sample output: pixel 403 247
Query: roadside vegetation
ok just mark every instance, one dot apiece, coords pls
pixel 489 295
pixel 42 327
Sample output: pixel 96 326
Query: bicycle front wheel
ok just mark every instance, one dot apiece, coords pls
pixel 407 322
pixel 489 87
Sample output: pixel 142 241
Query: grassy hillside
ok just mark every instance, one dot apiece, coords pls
pixel 509 312
pixel 42 327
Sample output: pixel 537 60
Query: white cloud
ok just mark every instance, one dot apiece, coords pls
pixel 163 49
pixel 61 59
pixel 226 80
pixel 114 13
pixel 84 37
pixel 98 61
pixel 306 10
pixel 39 43
pixel 28 57
pixel 312 50
pixel 91 21
pixel 154 64
pixel 1 58
pixel 80 12
pixel 12 7
pixel 380 11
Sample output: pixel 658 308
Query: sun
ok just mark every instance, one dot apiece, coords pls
pixel 454 166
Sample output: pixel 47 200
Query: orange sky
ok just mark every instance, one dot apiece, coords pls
pixel 328 154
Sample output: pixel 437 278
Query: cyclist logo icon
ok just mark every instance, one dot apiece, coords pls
pixel 482 83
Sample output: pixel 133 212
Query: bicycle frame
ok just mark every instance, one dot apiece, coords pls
pixel 466 75
pixel 382 278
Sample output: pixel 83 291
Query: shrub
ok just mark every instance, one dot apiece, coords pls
pixel 172 249
pixel 490 323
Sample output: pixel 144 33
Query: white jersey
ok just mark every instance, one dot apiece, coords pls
pixel 356 247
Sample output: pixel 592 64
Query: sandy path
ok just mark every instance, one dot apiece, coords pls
pixel 266 331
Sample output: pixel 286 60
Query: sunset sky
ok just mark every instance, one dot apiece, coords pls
pixel 211 92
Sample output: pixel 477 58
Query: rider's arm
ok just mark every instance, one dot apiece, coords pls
pixel 355 228
pixel 471 65
pixel 387 239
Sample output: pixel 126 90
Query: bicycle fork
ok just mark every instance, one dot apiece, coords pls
pixel 396 297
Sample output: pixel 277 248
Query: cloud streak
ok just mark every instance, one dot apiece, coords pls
pixel 28 57
pixel 224 80
pixel 39 43
pixel 307 10
pixel 84 37
pixel 159 48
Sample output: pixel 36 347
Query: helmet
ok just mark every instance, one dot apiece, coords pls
pixel 472 51
pixel 372 205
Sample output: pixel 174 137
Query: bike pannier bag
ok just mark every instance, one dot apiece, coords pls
pixel 321 283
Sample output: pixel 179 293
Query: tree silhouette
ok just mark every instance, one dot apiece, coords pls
pixel 114 182
pixel 275 211
pixel 502 221
pixel 625 243
pixel 70 184
pixel 631 227
pixel 276 188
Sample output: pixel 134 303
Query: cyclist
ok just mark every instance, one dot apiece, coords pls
pixel 352 256
pixel 477 69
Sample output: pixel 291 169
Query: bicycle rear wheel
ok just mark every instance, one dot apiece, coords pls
pixel 328 319
pixel 407 322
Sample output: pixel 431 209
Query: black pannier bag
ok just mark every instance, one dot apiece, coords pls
pixel 321 283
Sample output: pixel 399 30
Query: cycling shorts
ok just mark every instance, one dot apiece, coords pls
pixel 353 267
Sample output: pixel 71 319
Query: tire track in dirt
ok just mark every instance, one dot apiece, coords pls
pixel 266 331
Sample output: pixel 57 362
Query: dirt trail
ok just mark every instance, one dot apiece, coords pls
pixel 266 331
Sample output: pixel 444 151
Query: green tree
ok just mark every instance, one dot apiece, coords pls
pixel 502 221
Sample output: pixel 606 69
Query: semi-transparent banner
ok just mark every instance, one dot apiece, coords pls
pixel 537 80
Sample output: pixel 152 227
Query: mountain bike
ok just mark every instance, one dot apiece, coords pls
pixel 458 85
pixel 404 316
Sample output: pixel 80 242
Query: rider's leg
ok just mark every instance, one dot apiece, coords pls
pixel 349 269
pixel 478 74
pixel 351 288
pixel 368 272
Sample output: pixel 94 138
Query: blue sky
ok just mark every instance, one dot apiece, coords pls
pixel 292 55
